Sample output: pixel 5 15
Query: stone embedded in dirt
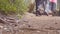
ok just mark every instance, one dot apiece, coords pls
pixel 29 26
pixel 38 31
pixel 17 21
pixel 23 26
pixel 1 26
pixel 5 28
pixel 22 31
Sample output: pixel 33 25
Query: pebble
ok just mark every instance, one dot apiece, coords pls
pixel 24 24
pixel 22 31
pixel 38 31
pixel 5 28
pixel 1 26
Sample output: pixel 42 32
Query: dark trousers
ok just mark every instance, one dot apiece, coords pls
pixel 38 2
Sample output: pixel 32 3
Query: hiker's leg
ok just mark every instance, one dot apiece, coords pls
pixel 37 7
pixel 45 8
pixel 54 8
pixel 51 7
pixel 37 11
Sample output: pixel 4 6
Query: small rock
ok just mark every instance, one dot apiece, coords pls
pixel 22 31
pixel 38 31
pixel 5 28
pixel 17 21
pixel 1 26
pixel 29 26
pixel 24 24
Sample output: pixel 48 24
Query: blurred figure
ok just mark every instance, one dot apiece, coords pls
pixel 47 8
pixel 38 3
pixel 53 6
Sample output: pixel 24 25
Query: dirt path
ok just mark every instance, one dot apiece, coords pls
pixel 41 24
pixel 31 24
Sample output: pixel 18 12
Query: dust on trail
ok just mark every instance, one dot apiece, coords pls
pixel 31 24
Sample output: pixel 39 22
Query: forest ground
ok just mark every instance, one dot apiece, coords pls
pixel 31 24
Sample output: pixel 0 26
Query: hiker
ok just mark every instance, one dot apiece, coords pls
pixel 53 6
pixel 47 8
pixel 38 3
pixel 41 4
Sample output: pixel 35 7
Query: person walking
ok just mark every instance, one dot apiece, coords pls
pixel 47 8
pixel 53 4
pixel 38 3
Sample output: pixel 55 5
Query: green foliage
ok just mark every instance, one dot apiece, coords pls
pixel 15 6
